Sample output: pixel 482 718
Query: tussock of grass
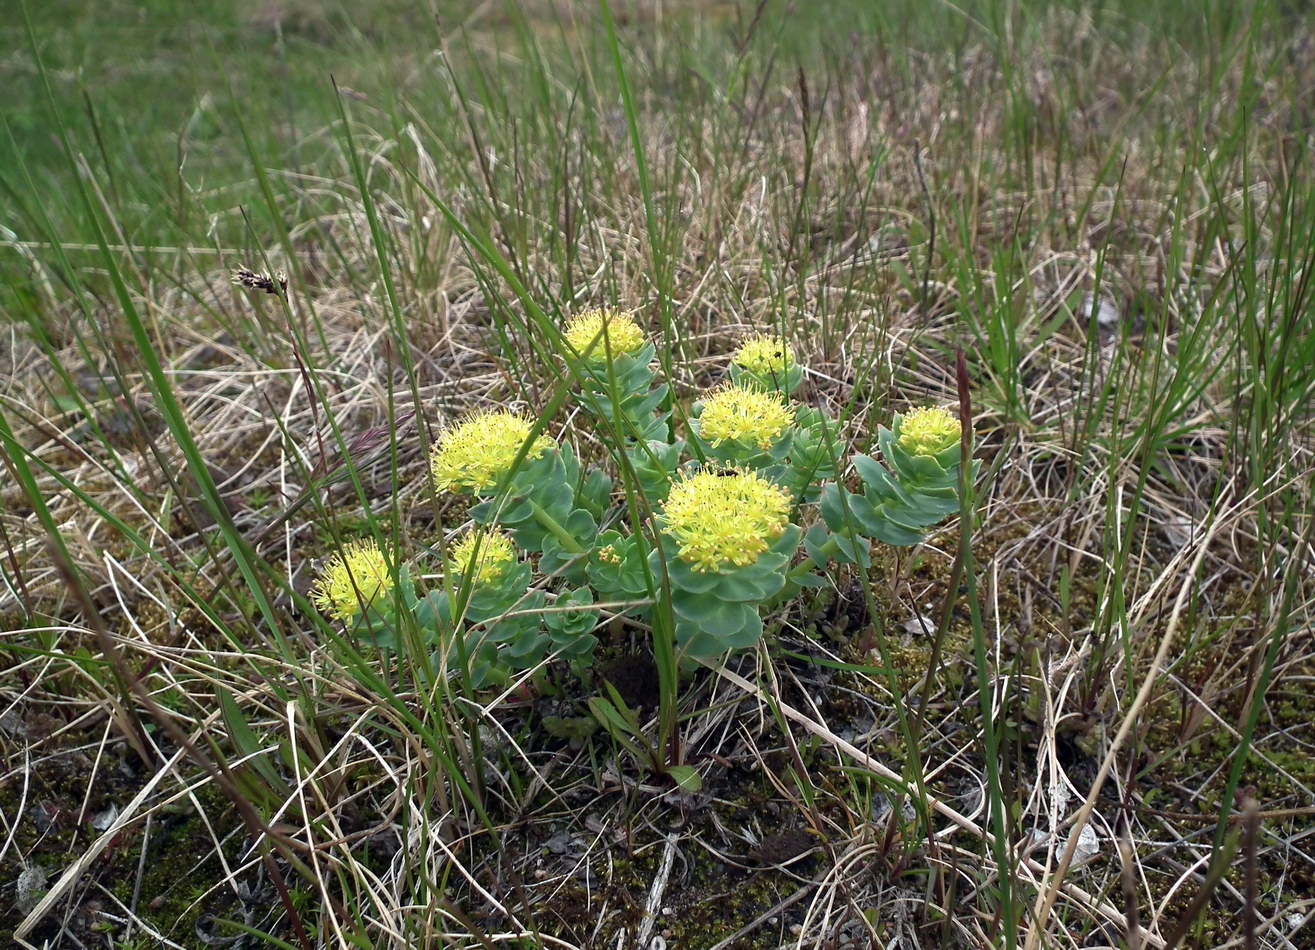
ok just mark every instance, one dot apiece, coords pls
pixel 1109 210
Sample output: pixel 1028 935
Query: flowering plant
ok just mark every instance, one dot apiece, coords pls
pixel 708 531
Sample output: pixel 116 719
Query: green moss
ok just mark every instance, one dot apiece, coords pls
pixel 180 868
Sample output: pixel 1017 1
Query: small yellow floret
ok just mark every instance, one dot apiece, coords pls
pixel 585 333
pixel 745 414
pixel 496 553
pixel 351 580
pixel 764 355
pixel 476 452
pixel 725 517
pixel 928 431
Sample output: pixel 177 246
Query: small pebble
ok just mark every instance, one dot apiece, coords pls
pixel 30 887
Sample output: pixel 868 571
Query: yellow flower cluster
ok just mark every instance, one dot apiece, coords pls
pixel 745 414
pixel 351 580
pixel 476 452
pixel 928 431
pixel 495 554
pixel 725 517
pixel 585 333
pixel 764 355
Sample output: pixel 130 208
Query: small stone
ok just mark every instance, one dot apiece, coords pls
pixel 102 820
pixel 12 723
pixel 667 911
pixel 1105 310
pixel 30 887
pixel 919 625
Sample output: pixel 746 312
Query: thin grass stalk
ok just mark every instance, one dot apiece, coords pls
pixel 998 808
pixel 661 266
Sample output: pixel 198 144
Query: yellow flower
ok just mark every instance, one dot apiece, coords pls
pixel 585 333
pixel 745 414
pixel 475 452
pixel 928 431
pixel 764 355
pixel 496 553
pixel 352 579
pixel 721 517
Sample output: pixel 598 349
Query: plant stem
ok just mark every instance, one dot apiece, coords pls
pixel 553 526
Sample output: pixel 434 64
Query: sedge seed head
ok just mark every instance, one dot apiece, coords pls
pixel 495 555
pixel 764 355
pixel 474 453
pixel 585 333
pixel 745 414
pixel 929 430
pixel 721 518
pixel 352 579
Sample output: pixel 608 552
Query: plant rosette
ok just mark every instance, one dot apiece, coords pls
pixel 601 335
pixel 379 623
pixel 500 622
pixel 718 611
pixel 622 390
pixel 617 567
pixel 726 543
pixel 920 489
pixel 744 425
pixel 539 507
pixel 356 586
pixel 571 623
pixel 815 448
pixel 767 362
pixel 655 464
